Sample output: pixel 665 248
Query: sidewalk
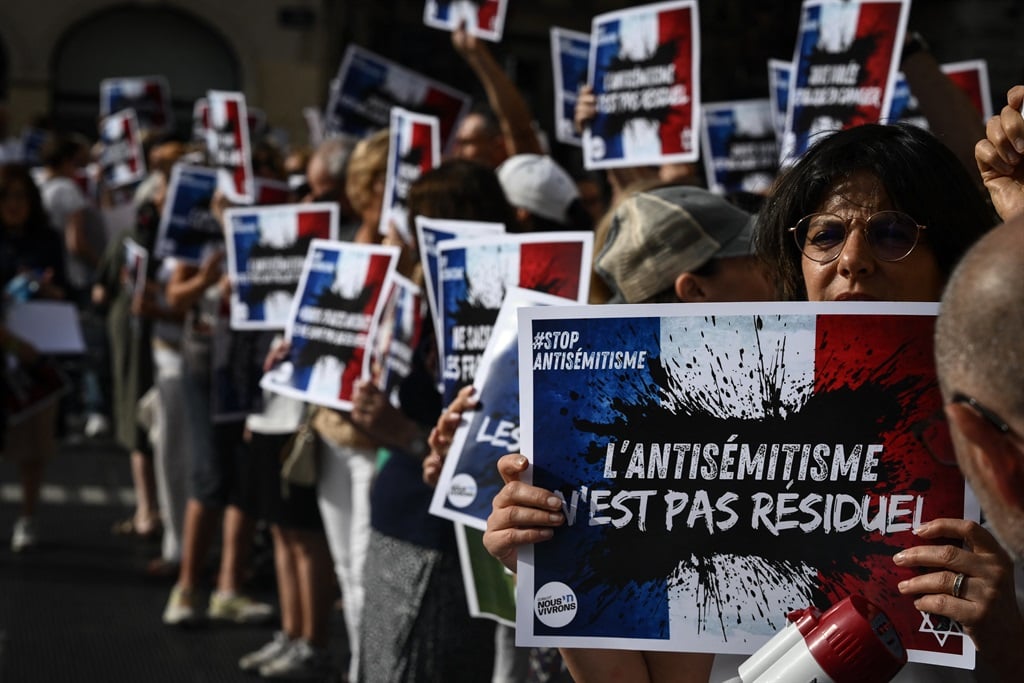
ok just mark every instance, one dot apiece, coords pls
pixel 79 607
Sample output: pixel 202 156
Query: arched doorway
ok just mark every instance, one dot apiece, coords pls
pixel 139 41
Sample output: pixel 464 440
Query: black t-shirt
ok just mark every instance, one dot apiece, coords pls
pixel 399 501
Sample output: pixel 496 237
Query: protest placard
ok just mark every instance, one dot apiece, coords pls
pixel 122 161
pixel 414 147
pixel 739 147
pixel 51 327
pixel 429 233
pixel 778 94
pixel 844 68
pixel 395 335
pixel 570 54
pixel 970 76
pixel 256 118
pixel 482 18
pixel 136 264
pixel 186 224
pixel 266 250
pixel 469 478
pixel 490 588
pixel 723 464
pixel 368 86
pixel 227 141
pixel 903 107
pixel 645 71
pixel 148 96
pixel 340 292
pixel 476 273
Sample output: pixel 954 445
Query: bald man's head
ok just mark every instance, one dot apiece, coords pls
pixel 979 352
pixel 980 329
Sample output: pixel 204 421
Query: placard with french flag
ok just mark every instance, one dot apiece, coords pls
pixel 971 76
pixel 414 148
pixel 739 148
pixel 368 86
pixel 476 273
pixel 256 119
pixel 483 18
pixel 430 232
pixel 469 479
pixel 721 465
pixel 645 71
pixel 187 226
pixel 122 161
pixel 149 96
pixel 339 295
pixel 227 141
pixel 266 251
pixel 396 335
pixel 570 55
pixel 136 265
pixel 778 93
pixel 844 68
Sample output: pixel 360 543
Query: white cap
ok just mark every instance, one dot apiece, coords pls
pixel 536 183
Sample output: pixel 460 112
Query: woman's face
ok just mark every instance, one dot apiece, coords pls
pixel 857 275
pixel 15 205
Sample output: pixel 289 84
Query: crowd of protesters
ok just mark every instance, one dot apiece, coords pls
pixel 363 528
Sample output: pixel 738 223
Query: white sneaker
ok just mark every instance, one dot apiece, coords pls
pixel 181 609
pixel 238 608
pixel 96 425
pixel 252 662
pixel 24 534
pixel 300 662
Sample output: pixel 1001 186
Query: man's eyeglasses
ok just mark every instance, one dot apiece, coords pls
pixel 891 235
pixel 991 417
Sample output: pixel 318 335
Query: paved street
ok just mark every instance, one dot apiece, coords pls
pixel 79 607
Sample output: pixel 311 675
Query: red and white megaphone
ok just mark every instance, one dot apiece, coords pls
pixel 852 642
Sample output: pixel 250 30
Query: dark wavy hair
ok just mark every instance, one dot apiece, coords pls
pixel 19 174
pixel 920 174
pixel 461 190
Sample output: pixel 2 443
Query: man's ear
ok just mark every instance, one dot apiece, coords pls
pixel 690 288
pixel 523 217
pixel 995 458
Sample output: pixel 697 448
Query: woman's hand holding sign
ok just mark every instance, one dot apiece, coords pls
pixel 522 514
pixel 440 439
pixel 972 585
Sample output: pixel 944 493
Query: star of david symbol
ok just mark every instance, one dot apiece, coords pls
pixel 942 628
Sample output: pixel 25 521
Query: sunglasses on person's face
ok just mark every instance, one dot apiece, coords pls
pixel 891 235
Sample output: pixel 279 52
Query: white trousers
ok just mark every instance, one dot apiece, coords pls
pixel 343 493
pixel 169 434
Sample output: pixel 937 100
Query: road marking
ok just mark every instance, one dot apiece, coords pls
pixel 52 494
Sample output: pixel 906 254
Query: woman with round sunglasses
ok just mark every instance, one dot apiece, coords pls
pixel 884 213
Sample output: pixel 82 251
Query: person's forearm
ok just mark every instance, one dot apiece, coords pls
pixel 182 293
pixel 508 104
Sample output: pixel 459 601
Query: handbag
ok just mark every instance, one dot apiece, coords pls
pixel 298 457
